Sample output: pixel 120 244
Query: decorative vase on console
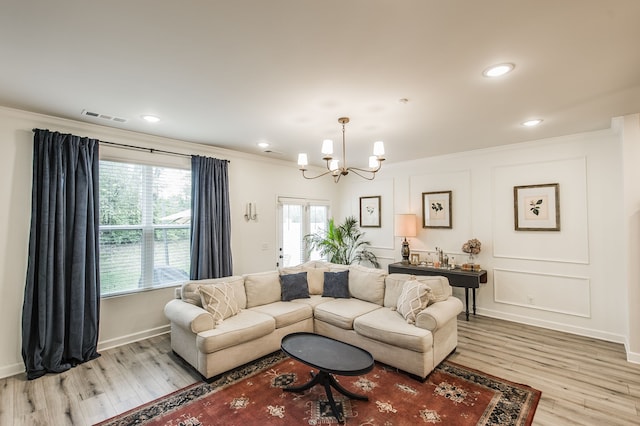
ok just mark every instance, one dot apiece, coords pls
pixel 472 247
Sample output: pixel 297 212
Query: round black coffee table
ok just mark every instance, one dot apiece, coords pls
pixel 329 357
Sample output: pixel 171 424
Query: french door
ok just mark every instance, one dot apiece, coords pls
pixel 298 217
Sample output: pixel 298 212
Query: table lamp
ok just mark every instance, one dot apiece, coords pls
pixel 405 226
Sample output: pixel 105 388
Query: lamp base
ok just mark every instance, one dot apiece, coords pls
pixel 405 251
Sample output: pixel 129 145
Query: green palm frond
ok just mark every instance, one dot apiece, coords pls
pixel 343 244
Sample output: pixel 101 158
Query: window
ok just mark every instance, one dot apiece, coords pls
pixel 297 218
pixel 145 226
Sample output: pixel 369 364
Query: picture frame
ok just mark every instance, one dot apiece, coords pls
pixel 537 207
pixel 415 258
pixel 370 211
pixel 436 209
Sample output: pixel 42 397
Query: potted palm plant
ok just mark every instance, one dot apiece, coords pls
pixel 343 244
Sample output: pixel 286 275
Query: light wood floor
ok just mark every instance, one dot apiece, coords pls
pixel 583 381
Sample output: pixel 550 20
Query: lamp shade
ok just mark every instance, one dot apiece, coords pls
pixel 405 225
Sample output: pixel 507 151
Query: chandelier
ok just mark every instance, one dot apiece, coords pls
pixel 333 167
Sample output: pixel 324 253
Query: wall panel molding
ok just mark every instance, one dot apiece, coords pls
pixel 571 243
pixel 563 294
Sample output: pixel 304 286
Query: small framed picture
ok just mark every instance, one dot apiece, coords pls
pixel 370 212
pixel 537 207
pixel 415 258
pixel 436 209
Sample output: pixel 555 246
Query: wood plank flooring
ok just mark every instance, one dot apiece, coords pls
pixel 583 381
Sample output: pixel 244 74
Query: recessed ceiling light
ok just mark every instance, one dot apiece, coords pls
pixel 531 123
pixel 498 70
pixel 263 145
pixel 150 118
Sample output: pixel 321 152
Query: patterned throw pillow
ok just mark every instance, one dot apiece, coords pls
pixel 294 286
pixel 336 284
pixel 218 299
pixel 414 298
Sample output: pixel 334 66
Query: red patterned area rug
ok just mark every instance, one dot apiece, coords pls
pixel 253 394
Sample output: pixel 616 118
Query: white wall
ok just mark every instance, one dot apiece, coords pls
pixel 630 129
pixel 129 318
pixel 572 280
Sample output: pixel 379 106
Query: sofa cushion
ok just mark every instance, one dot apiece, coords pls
pixel 342 312
pixel 439 285
pixel 189 290
pixel 414 298
pixel 262 288
pixel 315 279
pixel 248 325
pixel 294 286
pixel 315 274
pixel 286 313
pixel 385 325
pixel 314 300
pixel 393 288
pixel 219 300
pixel 336 284
pixel 367 283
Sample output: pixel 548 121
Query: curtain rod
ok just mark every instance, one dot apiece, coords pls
pixel 140 148
pixel 151 150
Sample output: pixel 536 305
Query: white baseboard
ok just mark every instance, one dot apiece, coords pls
pixel 134 337
pixel 633 357
pixel 11 370
pixel 580 331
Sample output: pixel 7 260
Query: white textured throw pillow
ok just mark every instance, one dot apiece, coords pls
pixel 218 299
pixel 414 298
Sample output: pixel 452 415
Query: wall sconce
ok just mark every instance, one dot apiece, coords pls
pixel 251 212
pixel 405 226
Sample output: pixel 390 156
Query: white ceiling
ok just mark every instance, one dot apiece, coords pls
pixel 233 73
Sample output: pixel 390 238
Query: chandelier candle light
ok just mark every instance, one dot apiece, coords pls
pixel 333 167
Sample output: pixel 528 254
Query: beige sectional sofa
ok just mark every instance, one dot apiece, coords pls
pixel 404 321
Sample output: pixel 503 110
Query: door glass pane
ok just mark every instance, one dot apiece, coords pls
pixel 292 233
pixel 318 218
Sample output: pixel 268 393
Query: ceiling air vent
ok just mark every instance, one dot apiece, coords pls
pixel 103 116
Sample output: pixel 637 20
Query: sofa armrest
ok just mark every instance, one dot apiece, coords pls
pixel 188 316
pixel 435 316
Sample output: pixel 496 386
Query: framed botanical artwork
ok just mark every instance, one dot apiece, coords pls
pixel 370 212
pixel 436 209
pixel 537 207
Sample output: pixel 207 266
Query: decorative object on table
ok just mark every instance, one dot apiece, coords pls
pixel 251 212
pixel 415 258
pixel 436 209
pixel 537 207
pixel 254 394
pixel 343 244
pixel 375 161
pixel 472 247
pixel 405 226
pixel 370 212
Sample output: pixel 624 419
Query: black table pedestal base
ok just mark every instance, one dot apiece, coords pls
pixel 327 381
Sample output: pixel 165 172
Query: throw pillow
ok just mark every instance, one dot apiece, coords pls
pixel 294 286
pixel 219 300
pixel 414 298
pixel 336 284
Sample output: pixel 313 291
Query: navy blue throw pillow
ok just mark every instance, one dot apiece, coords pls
pixel 294 286
pixel 336 284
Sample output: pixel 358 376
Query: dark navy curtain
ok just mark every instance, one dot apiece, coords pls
pixel 210 219
pixel 61 306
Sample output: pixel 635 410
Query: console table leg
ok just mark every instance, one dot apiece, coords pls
pixel 466 301
pixel 474 302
